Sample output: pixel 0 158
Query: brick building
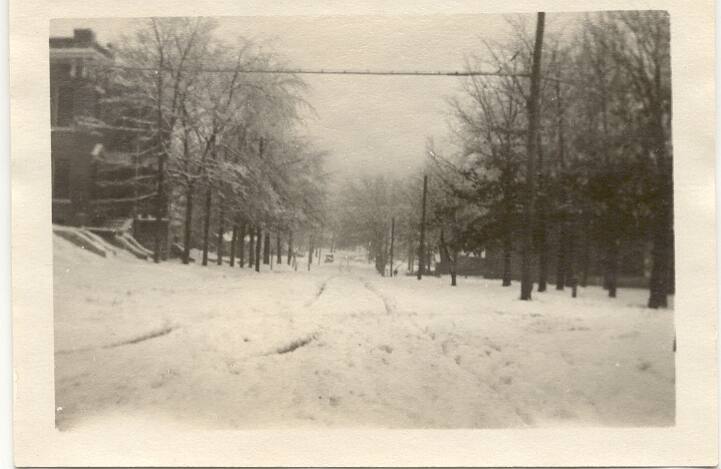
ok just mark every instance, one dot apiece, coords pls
pixel 95 167
pixel 74 93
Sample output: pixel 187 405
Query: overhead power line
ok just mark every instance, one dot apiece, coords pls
pixel 304 71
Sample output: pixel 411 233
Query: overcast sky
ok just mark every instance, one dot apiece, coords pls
pixel 366 123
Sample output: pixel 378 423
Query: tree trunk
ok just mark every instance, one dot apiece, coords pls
pixel 529 205
pixel 278 254
pixel 671 268
pixel 542 242
pixel 543 265
pixel 507 230
pixel 409 267
pixel 161 204
pixel 251 246
pixel 658 285
pixel 562 233
pixel 454 267
pixel 445 256
pixel 258 241
pixel 221 229
pixel 234 239
pixel 241 246
pixel 266 248
pixel 290 247
pixel 507 253
pixel 448 258
pixel 421 248
pixel 612 266
pixel 570 266
pixel 188 224
pixel 561 257
pixel 393 235
pixel 662 250
pixel 310 251
pixel 586 253
pixel 206 223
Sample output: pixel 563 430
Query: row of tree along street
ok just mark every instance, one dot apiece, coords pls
pixel 561 162
pixel 218 148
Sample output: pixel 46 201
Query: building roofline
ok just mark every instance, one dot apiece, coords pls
pixel 82 39
pixel 78 53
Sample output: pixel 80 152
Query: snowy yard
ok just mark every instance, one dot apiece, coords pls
pixel 222 348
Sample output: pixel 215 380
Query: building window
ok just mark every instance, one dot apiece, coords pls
pixel 61 178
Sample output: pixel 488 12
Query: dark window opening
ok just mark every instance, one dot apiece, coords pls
pixel 64 112
pixel 60 71
pixel 61 178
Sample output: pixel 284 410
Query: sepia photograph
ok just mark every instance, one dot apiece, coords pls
pixel 380 222
pixel 363 233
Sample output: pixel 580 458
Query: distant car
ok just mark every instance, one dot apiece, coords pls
pixel 328 258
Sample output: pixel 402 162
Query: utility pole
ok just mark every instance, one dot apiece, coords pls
pixel 393 232
pixel 531 146
pixel 160 205
pixel 422 247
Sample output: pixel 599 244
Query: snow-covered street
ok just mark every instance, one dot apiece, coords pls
pixel 340 346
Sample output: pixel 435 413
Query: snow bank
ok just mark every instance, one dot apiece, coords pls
pixel 83 239
pixel 133 243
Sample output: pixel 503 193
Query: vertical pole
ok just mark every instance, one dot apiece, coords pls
pixel 393 234
pixel 531 146
pixel 422 247
pixel 160 198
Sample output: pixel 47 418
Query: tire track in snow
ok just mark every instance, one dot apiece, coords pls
pixel 306 339
pixel 388 303
pixel 134 340
pixel 442 345
pixel 319 292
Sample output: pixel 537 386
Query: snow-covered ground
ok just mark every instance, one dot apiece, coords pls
pixel 339 346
